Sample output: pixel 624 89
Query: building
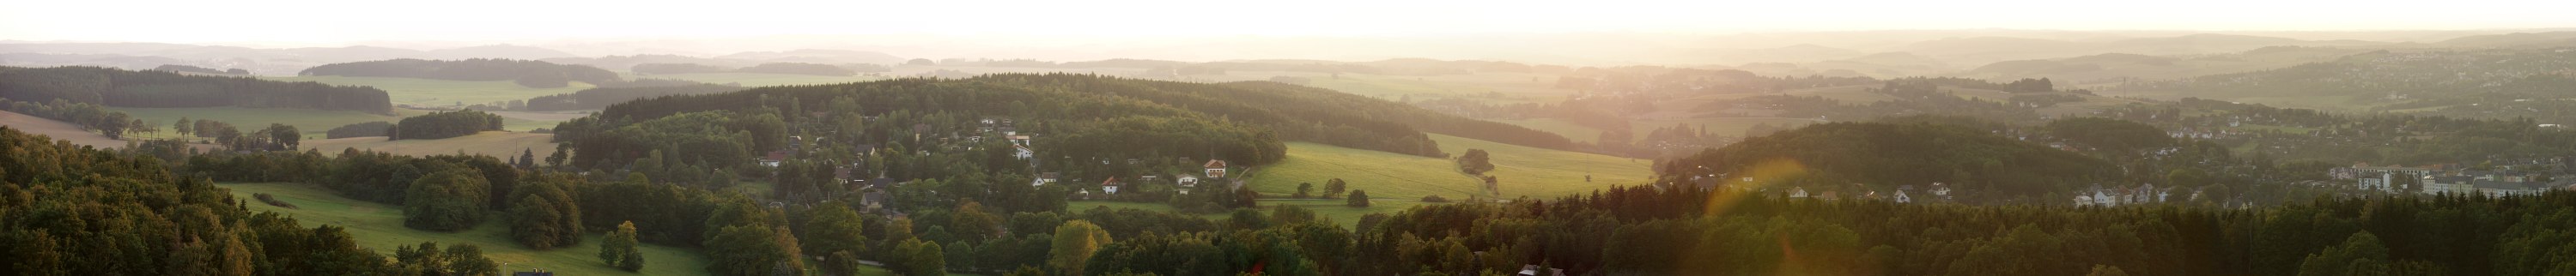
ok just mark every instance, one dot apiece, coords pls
pixel 2492 188
pixel 2448 184
pixel 1111 186
pixel 1043 179
pixel 1215 168
pixel 1535 270
pixel 773 158
pixel 2384 183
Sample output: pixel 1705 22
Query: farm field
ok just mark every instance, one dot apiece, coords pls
pixel 492 143
pixel 314 123
pixel 379 226
pixel 58 130
pixel 1522 171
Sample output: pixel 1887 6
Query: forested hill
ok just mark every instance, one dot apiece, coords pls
pixel 1836 156
pixel 1284 104
pixel 117 87
pixel 530 73
pixel 1285 111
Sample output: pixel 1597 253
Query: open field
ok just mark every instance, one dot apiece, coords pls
pixel 314 123
pixel 493 143
pixel 379 226
pixel 1523 171
pixel 59 130
pixel 430 92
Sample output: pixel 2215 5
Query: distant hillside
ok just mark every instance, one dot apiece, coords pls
pixel 2124 67
pixel 1287 111
pixel 266 61
pixel 1838 156
pixel 2515 40
pixel 122 88
pixel 2388 77
pixel 536 74
pixel 818 56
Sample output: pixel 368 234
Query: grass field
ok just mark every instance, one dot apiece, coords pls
pixel 1523 171
pixel 492 143
pixel 314 123
pixel 379 226
pixel 429 92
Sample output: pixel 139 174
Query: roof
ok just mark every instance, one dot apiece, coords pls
pixel 774 156
pixel 1216 164
pixel 1112 182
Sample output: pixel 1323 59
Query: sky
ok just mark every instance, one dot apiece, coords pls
pixel 326 22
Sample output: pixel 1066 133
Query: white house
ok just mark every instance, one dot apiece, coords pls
pixel 1111 186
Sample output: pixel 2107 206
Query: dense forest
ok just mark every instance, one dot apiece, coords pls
pixel 1836 156
pixel 529 73
pixel 122 88
pixel 445 124
pixel 598 98
pixel 67 210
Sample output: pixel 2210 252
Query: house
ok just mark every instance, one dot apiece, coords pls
pixel 1043 179
pixel 1022 151
pixel 1941 190
pixel 2144 193
pixel 1797 192
pixel 1535 270
pixel 1111 186
pixel 873 200
pixel 1215 168
pixel 1187 181
pixel 773 158
pixel 1901 197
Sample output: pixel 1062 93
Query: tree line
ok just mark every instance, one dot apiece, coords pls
pixel 529 73
pixel 445 124
pixel 122 88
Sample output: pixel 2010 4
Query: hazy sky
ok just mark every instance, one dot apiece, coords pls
pixel 342 21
